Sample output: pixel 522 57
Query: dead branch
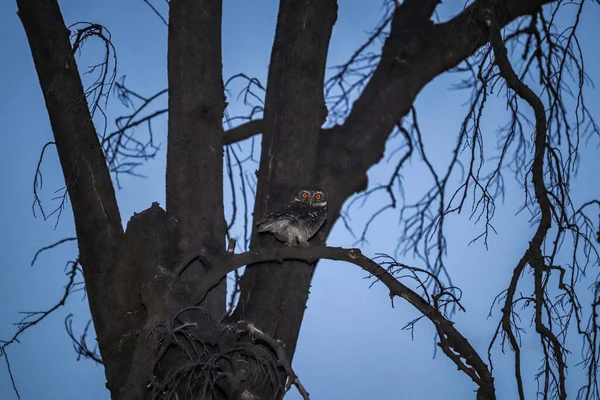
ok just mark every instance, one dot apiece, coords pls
pixel 124 149
pixel 101 87
pixel 243 131
pixel 86 175
pixel 38 182
pixel 456 346
pixel 80 344
pixel 534 254
pixel 155 11
pixel 51 246
pixel 415 51
pixel 32 318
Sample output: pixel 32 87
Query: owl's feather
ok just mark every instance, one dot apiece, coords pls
pixel 299 221
pixel 273 225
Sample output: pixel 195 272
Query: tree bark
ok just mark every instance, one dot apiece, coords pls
pixel 415 52
pixel 95 210
pixel 195 142
pixel 294 113
pixel 129 278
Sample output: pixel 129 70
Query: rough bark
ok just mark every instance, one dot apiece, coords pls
pixel 125 303
pixel 195 142
pixel 150 241
pixel 416 51
pixel 97 218
pixel 294 113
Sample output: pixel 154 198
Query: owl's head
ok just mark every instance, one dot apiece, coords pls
pixel 314 197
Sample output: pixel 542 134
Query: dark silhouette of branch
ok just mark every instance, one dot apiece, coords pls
pixel 32 318
pixel 101 87
pixel 352 76
pixel 80 345
pixel 51 246
pixel 454 345
pixel 158 14
pixel 243 131
pixel 415 51
pixel 534 254
pixel 87 177
pixel 38 182
pixel 136 122
pixel 4 354
pixel 384 82
pixel 552 56
pixel 124 150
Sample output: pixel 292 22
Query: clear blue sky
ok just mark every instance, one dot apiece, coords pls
pixel 352 345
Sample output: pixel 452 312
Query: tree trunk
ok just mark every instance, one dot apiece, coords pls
pixel 195 142
pixel 133 278
pixel 294 113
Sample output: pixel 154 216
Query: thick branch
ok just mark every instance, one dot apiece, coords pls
pixel 243 131
pixel 415 52
pixel 452 342
pixel 195 142
pixel 97 218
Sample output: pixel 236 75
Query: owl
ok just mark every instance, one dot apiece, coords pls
pixel 299 221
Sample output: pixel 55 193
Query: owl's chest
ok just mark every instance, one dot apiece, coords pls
pixel 309 221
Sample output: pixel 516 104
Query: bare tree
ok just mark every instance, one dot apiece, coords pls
pixel 157 290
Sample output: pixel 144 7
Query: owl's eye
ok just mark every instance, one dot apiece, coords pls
pixel 304 195
pixel 318 196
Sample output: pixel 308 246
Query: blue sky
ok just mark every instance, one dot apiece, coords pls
pixel 351 345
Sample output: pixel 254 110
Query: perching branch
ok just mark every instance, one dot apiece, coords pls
pixel 452 342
